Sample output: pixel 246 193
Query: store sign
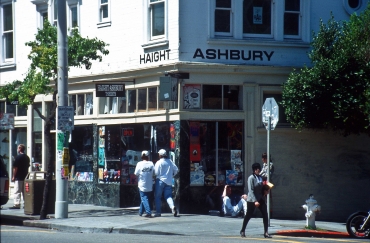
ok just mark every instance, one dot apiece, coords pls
pixel 110 90
pixel 128 132
pixel 14 102
pixel 156 56
pixel 245 55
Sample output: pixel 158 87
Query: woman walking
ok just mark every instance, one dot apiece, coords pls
pixel 256 199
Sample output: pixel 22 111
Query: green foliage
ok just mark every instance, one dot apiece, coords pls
pixel 335 92
pixel 44 61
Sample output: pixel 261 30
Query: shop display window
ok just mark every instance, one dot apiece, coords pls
pixel 81 153
pixel 112 105
pixel 216 156
pixel 82 103
pixel 120 148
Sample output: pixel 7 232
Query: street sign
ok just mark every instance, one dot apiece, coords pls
pixel 65 118
pixel 270 109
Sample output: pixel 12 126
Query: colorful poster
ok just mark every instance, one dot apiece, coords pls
pixel 197 178
pixel 231 177
pixel 195 154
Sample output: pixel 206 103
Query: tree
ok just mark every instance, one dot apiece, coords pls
pixel 41 78
pixel 334 93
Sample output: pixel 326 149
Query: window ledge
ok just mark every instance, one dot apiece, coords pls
pixel 7 65
pixel 104 24
pixel 258 42
pixel 155 44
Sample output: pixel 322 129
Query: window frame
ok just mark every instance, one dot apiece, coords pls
pixel 272 17
pixel 299 13
pixel 4 40
pixel 71 6
pixel 150 6
pixel 231 32
pixel 83 108
pixel 104 22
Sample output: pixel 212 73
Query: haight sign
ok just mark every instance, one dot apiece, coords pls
pixel 110 90
pixel 155 56
pixel 246 55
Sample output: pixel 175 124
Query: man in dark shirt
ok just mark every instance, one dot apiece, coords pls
pixel 20 170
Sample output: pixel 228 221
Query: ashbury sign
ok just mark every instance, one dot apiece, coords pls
pixel 245 55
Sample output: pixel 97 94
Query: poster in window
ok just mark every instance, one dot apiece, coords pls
pixel 257 15
pixel 231 177
pixel 197 178
pixel 195 154
pixel 191 96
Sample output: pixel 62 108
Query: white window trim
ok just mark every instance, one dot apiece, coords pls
pixel 299 36
pixel 360 8
pixel 41 9
pixel 106 21
pixel 7 62
pixel 72 4
pixel 162 40
pixel 232 11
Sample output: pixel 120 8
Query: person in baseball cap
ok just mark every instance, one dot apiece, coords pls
pixel 144 171
pixel 164 169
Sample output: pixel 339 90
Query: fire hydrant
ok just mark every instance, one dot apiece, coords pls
pixel 311 208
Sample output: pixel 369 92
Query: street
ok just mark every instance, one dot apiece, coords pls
pixel 22 234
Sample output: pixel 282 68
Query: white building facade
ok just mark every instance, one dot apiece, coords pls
pixel 222 59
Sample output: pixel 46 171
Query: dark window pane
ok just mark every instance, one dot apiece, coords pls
pixel 8 17
pixel 8 37
pixel 158 19
pixel 142 100
pixel 222 21
pixel 223 3
pixel 291 24
pixel 354 3
pixel 292 5
pixel 212 96
pixel 257 17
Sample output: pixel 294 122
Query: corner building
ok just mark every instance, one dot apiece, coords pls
pixel 195 75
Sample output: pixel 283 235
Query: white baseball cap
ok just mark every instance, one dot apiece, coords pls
pixel 145 153
pixel 162 152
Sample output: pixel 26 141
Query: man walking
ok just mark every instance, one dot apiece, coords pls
pixel 20 170
pixel 164 169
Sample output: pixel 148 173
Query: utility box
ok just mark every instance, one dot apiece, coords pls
pixel 167 89
pixel 34 192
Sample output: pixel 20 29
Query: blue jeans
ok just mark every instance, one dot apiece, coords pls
pixel 161 187
pixel 144 205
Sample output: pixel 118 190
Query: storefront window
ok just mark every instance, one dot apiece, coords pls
pixel 216 153
pixel 82 103
pixel 112 105
pixel 120 148
pixel 81 153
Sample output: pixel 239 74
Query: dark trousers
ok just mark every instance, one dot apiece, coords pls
pixel 250 210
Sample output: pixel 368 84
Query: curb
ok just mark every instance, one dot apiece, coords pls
pixel 313 233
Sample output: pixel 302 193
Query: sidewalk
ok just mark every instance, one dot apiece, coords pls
pixel 99 219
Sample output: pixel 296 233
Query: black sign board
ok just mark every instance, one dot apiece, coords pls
pixel 110 90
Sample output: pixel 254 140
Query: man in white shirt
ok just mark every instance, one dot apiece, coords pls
pixel 230 210
pixel 145 171
pixel 165 169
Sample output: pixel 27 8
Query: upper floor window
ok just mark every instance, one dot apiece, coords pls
pixel 292 19
pixel 55 13
pixel 104 13
pixel 8 107
pixel 73 20
pixel 157 18
pixel 223 17
pixel 257 18
pixel 7 29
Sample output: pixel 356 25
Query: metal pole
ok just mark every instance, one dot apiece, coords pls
pixel 61 203
pixel 268 167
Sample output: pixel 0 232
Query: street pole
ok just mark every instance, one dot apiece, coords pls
pixel 61 203
pixel 268 167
